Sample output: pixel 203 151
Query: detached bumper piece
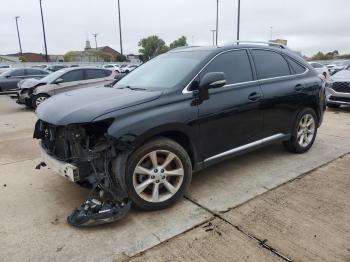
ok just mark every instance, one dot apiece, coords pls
pixel 94 212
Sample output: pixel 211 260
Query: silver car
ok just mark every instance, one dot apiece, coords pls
pixel 338 89
pixel 33 92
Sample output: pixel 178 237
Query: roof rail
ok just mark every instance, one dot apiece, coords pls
pixel 262 43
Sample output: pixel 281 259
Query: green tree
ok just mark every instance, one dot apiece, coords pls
pixel 182 41
pixel 151 47
pixel 71 56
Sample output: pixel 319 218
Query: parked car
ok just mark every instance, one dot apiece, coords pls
pixel 114 67
pixel 180 112
pixel 54 68
pixel 338 66
pixel 5 66
pixel 33 92
pixel 127 69
pixel 321 69
pixel 10 78
pixel 338 89
pixel 40 66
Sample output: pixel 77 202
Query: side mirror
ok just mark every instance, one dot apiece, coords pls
pixel 59 81
pixel 212 80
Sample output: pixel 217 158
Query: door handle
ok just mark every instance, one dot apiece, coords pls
pixel 299 87
pixel 254 97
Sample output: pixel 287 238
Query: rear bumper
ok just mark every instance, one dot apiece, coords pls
pixel 61 168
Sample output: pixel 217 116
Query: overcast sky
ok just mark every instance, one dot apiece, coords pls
pixel 308 26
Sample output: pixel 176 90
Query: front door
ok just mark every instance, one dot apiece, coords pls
pixel 231 117
pixel 71 80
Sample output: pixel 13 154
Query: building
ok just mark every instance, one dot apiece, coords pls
pixel 99 54
pixel 135 59
pixel 9 59
pixel 280 41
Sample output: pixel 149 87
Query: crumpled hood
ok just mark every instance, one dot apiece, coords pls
pixel 28 83
pixel 86 104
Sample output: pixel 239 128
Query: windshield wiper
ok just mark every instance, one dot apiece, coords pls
pixel 132 88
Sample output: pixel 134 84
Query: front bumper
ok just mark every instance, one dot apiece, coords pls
pixel 61 168
pixel 337 98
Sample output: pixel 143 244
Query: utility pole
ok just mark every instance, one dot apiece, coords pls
pixel 95 35
pixel 238 19
pixel 19 38
pixel 120 30
pixel 213 31
pixel 42 21
pixel 217 20
pixel 271 32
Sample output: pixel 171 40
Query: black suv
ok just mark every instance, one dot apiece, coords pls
pixel 178 113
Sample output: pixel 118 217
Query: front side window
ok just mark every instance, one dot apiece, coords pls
pixel 235 64
pixel 270 64
pixel 72 76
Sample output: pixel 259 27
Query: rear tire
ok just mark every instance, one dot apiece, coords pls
pixel 158 174
pixel 38 99
pixel 304 132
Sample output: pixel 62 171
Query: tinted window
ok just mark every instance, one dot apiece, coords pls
pixel 296 67
pixel 107 72
pixel 94 73
pixel 270 64
pixel 18 72
pixel 71 76
pixel 35 72
pixel 234 64
pixel 316 65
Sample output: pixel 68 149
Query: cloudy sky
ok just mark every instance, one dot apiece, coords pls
pixel 308 26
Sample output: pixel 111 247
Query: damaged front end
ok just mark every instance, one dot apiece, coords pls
pixel 87 155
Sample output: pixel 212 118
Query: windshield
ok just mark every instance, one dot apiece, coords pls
pixel 52 77
pixel 163 72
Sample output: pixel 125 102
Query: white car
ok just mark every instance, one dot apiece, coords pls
pixel 114 67
pixel 321 69
pixel 128 68
pixel 338 89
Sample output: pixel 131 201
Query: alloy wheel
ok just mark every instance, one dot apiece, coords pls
pixel 306 130
pixel 158 176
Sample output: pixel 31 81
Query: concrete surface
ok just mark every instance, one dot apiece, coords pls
pixel 37 202
pixel 304 220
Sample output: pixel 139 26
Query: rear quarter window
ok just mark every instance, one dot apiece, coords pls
pixel 296 67
pixel 270 64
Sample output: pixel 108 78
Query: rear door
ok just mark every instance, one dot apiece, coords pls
pixel 35 73
pixel 282 87
pixel 231 117
pixel 71 80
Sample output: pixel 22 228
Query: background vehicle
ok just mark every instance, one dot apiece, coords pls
pixel 5 66
pixel 54 68
pixel 128 69
pixel 112 67
pixel 338 66
pixel 180 112
pixel 33 92
pixel 10 78
pixel 321 69
pixel 338 89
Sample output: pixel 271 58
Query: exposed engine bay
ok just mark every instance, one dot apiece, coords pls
pixel 91 158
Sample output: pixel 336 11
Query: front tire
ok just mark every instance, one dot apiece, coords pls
pixel 158 174
pixel 304 132
pixel 38 99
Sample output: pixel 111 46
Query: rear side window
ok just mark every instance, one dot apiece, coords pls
pixel 35 72
pixel 296 67
pixel 235 64
pixel 18 72
pixel 71 76
pixel 94 73
pixel 270 64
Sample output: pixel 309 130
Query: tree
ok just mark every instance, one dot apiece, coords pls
pixel 182 41
pixel 152 46
pixel 71 56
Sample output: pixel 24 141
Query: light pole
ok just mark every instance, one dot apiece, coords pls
pixel 42 21
pixel 213 31
pixel 217 20
pixel 120 30
pixel 238 19
pixel 19 38
pixel 95 35
pixel 271 28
